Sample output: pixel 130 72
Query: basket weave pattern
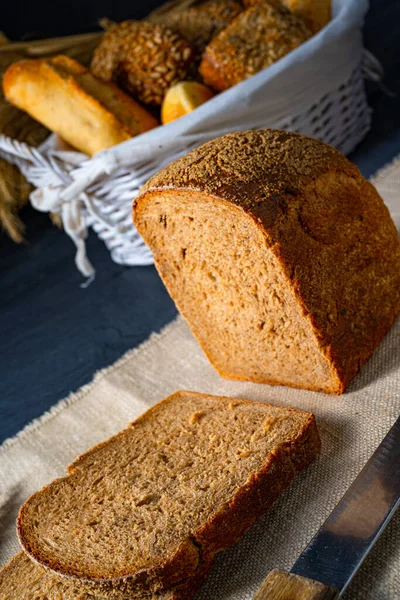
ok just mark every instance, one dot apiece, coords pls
pixel 98 192
pixel 341 118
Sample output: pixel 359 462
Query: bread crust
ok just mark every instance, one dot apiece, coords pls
pixel 255 39
pixel 194 556
pixel 143 58
pixel 22 573
pixel 200 23
pixel 327 226
pixel 315 13
pixel 89 114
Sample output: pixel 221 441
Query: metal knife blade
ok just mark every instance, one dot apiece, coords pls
pixel 329 562
pixel 336 552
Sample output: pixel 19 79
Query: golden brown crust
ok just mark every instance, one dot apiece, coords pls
pixel 327 225
pixel 255 39
pixel 61 94
pixel 143 58
pixel 221 530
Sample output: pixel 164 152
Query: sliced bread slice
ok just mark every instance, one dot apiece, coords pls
pixel 149 507
pixel 22 579
pixel 283 259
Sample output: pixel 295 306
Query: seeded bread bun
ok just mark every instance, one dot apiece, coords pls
pixel 143 58
pixel 65 97
pixel 255 39
pixel 283 259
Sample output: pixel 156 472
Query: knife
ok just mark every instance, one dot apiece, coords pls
pixel 329 562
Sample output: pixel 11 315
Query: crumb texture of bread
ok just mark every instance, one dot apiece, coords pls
pixel 22 579
pixel 254 40
pixel 200 23
pixel 65 97
pixel 150 507
pixel 143 58
pixel 283 259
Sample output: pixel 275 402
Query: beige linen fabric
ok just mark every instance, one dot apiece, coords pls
pixel 351 427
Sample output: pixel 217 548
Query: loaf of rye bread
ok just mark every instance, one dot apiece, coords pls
pixel 22 579
pixel 283 259
pixel 150 507
pixel 65 97
pixel 254 40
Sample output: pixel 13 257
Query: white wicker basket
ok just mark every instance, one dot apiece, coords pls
pixel 317 89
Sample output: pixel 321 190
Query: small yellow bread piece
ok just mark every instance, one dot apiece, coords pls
pixel 182 98
pixel 60 93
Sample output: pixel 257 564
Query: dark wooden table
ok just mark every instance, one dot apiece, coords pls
pixel 54 335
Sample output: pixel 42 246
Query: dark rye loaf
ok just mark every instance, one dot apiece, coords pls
pixel 283 259
pixel 22 579
pixel 151 506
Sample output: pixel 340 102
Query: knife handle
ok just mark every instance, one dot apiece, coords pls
pixel 280 585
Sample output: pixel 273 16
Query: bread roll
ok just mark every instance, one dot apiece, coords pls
pixel 283 259
pixel 143 58
pixel 258 37
pixel 200 23
pixel 315 13
pixel 65 97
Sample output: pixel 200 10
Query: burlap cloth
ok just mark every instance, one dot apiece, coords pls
pixel 351 427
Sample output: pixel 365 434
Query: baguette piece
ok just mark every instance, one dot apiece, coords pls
pixel 22 579
pixel 283 259
pixel 65 97
pixel 151 506
pixel 258 37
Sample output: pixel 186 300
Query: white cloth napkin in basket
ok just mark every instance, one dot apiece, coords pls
pixel 317 89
